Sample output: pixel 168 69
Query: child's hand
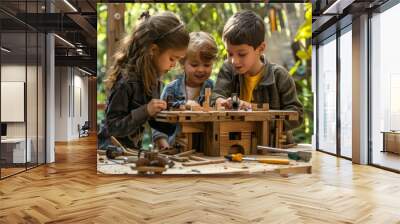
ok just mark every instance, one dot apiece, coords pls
pixel 227 103
pixel 155 106
pixel 244 105
pixel 161 143
pixel 192 103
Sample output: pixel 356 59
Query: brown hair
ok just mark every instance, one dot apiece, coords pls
pixel 202 44
pixel 244 27
pixel 133 56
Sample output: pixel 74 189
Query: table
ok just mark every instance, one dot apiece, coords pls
pixel 13 150
pixel 223 129
pixel 391 141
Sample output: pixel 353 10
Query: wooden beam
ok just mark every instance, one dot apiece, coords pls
pixel 115 28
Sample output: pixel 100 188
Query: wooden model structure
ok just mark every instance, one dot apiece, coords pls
pixel 223 129
pixel 225 132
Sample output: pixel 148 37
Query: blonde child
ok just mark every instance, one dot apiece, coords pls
pixel 189 89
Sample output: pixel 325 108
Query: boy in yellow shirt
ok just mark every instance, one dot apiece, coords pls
pixel 248 74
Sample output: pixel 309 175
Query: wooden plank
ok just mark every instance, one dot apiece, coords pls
pixel 206 104
pixel 211 147
pixel 263 133
pixel 179 159
pixel 278 133
pixel 186 153
pixel 197 158
pixel 115 30
pixel 206 162
pixel 190 141
pixel 200 116
pixel 237 126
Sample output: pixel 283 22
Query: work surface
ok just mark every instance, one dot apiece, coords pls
pixel 200 116
pixel 106 166
pixel 71 191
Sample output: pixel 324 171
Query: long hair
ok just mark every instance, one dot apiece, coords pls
pixel 133 56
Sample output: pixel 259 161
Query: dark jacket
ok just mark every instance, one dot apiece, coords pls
pixel 177 89
pixel 276 87
pixel 126 112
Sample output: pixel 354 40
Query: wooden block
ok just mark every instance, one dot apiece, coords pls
pixel 237 126
pixel 196 108
pixel 278 133
pixel 206 104
pixel 264 132
pixel 265 107
pixel 206 109
pixel 190 140
pixel 262 135
pixel 193 127
pixel 182 107
pixel 212 136
pixel 256 107
pixel 226 143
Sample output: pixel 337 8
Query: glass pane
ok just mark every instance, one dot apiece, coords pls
pixel 14 153
pixel 346 94
pixel 385 89
pixel 327 97
pixel 41 99
pixel 31 97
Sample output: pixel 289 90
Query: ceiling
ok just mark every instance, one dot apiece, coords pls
pixel 72 20
pixel 329 15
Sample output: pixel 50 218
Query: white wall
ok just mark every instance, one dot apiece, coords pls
pixel 12 73
pixel 71 102
pixel 61 103
pixel 34 125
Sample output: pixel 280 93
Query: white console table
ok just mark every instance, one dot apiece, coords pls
pixel 16 146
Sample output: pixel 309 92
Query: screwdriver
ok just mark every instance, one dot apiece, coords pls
pixel 238 157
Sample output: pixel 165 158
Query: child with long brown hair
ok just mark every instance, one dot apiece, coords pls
pixel 154 47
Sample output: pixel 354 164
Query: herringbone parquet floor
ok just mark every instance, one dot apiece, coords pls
pixel 70 191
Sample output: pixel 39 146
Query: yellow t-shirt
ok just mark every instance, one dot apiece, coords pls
pixel 250 82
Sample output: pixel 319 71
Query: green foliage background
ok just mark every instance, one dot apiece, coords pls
pixel 211 18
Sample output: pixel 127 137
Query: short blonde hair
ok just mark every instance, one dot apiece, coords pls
pixel 202 44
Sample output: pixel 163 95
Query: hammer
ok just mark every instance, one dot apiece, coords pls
pixel 114 151
pixel 235 101
pixel 299 155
